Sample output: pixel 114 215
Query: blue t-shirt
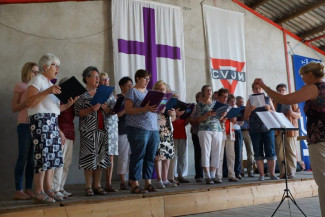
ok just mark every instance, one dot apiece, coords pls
pixel 147 120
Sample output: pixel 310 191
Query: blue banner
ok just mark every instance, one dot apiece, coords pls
pixel 298 62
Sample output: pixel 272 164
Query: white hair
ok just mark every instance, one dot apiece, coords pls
pixel 47 60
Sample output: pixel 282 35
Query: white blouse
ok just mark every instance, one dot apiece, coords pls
pixel 50 104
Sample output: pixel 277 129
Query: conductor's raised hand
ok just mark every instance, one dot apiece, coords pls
pixel 149 108
pixel 259 81
pixel 54 89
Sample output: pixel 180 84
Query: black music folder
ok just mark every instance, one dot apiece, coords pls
pixel 70 88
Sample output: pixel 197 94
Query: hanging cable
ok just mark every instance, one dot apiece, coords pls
pixel 59 39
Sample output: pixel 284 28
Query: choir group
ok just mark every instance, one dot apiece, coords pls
pixel 151 144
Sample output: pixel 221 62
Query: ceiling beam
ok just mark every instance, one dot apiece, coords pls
pixel 322 48
pixel 257 3
pixel 314 31
pixel 301 11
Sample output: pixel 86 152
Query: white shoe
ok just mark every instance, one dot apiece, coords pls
pixel 66 194
pixel 59 194
pixel 170 185
pixel 160 185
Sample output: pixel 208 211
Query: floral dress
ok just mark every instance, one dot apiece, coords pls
pixel 112 128
pixel 165 148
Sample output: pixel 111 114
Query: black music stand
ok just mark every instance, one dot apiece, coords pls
pixel 278 121
pixel 286 193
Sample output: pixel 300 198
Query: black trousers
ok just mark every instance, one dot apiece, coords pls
pixel 197 156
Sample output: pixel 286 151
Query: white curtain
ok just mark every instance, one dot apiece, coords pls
pixel 148 35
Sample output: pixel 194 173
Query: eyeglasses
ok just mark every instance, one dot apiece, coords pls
pixel 147 79
pixel 56 66
pixel 35 72
pixel 105 79
pixel 94 76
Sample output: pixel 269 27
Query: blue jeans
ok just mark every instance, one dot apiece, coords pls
pixel 26 154
pixel 238 150
pixel 143 144
pixel 263 142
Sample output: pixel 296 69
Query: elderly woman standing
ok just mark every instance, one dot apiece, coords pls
pixel 93 134
pixel 43 111
pixel 25 145
pixel 210 134
pixel 314 95
pixel 142 131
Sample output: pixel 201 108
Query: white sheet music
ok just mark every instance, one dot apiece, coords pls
pixel 257 100
pixel 221 110
pixel 282 119
pixel 274 120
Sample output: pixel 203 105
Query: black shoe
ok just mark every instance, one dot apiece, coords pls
pixel 251 174
pixel 238 176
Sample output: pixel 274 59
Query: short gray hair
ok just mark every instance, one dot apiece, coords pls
pixel 47 60
pixel 87 72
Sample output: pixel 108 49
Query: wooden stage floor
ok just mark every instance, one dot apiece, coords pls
pixel 243 192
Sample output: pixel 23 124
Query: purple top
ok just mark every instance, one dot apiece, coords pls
pixel 315 112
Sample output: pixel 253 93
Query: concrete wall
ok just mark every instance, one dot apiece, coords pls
pixel 79 33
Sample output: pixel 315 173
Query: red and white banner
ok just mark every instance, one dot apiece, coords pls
pixel 224 32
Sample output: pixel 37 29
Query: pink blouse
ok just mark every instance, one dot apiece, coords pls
pixel 21 89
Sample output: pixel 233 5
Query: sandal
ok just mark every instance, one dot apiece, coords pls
pixel 138 190
pixel 150 188
pixel 42 198
pixel 124 186
pixel 99 191
pixel 21 195
pixel 89 191
pixel 109 188
pixel 54 195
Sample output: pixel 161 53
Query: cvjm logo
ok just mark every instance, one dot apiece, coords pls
pixel 225 69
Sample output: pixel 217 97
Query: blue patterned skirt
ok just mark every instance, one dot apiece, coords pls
pixel 47 142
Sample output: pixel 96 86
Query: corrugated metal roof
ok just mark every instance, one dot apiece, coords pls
pixel 275 10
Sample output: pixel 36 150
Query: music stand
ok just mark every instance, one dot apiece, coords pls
pixel 278 121
pixel 286 193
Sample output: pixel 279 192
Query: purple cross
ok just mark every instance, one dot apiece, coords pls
pixel 149 48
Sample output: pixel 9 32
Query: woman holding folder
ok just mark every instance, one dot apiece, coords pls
pixel 210 134
pixel 93 156
pixel 262 138
pixel 142 132
pixel 313 93
pixel 165 150
pixel 43 111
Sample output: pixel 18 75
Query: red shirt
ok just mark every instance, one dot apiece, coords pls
pixel 66 123
pixel 179 129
